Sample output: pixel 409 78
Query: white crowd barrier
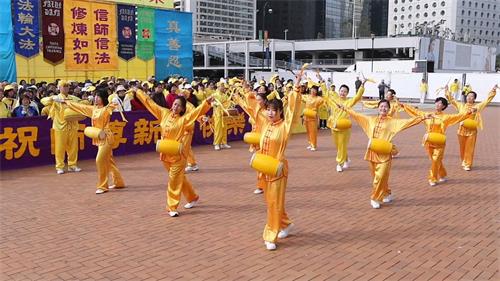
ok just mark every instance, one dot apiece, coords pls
pixel 406 85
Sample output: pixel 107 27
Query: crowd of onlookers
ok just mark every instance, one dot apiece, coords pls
pixel 24 99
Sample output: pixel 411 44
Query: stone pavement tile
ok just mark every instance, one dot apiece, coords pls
pixel 56 228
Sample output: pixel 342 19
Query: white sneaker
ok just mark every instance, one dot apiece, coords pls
pixel 466 168
pixel 442 180
pixel 308 147
pixel 285 232
pixel 225 145
pixel 173 214
pixel 345 165
pixel 194 168
pixel 258 191
pixel 100 191
pixel 217 147
pixel 270 246
pixel 59 171
pixel 375 204
pixel 431 183
pixel 112 186
pixel 188 169
pixel 74 169
pixel 313 148
pixel 339 168
pixel 388 198
pixel 191 204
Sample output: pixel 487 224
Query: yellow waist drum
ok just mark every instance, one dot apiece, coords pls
pixel 252 138
pixel 342 124
pixel 309 113
pixel 470 124
pixel 435 138
pixel 169 147
pixel 380 146
pixel 94 133
pixel 267 164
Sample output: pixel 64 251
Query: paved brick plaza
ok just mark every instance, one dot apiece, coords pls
pixel 55 228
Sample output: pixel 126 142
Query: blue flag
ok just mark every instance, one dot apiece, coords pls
pixel 174 44
pixel 26 27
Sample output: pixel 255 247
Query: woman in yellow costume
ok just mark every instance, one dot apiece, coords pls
pixel 437 124
pixel 467 136
pixel 393 111
pixel 273 142
pixel 174 123
pixel 222 101
pixel 255 106
pixel 381 128
pixel 313 103
pixel 100 115
pixel 341 137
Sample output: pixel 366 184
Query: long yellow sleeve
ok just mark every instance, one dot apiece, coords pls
pixel 157 111
pixel 81 108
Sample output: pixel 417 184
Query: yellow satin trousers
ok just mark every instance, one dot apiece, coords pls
pixel 177 184
pixel 380 173
pixel 341 140
pixel 66 143
pixel 467 146
pixel 106 165
pixel 276 216
pixel 261 181
pixel 437 170
pixel 220 131
pixel 312 132
pixel 189 150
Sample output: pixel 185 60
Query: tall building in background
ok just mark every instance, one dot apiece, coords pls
pixel 298 19
pixel 470 21
pixel 220 19
pixel 313 19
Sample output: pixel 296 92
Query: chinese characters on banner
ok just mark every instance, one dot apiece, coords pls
pixel 26 142
pixel 173 46
pixel 91 39
pixel 126 31
pixel 145 33
pixel 52 30
pixel 26 29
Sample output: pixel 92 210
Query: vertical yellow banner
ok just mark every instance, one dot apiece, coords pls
pixel 77 32
pixel 104 37
pixel 90 36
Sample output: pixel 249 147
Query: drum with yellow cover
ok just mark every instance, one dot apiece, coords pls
pixel 94 133
pixel 342 124
pixel 71 115
pixel 435 138
pixel 169 147
pixel 470 124
pixel 252 138
pixel 267 164
pixel 309 113
pixel 380 146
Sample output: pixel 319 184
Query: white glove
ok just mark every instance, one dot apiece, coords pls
pixel 57 99
pixel 204 118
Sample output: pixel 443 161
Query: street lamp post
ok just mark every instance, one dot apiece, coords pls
pixel 285 31
pixel 264 30
pixel 373 40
